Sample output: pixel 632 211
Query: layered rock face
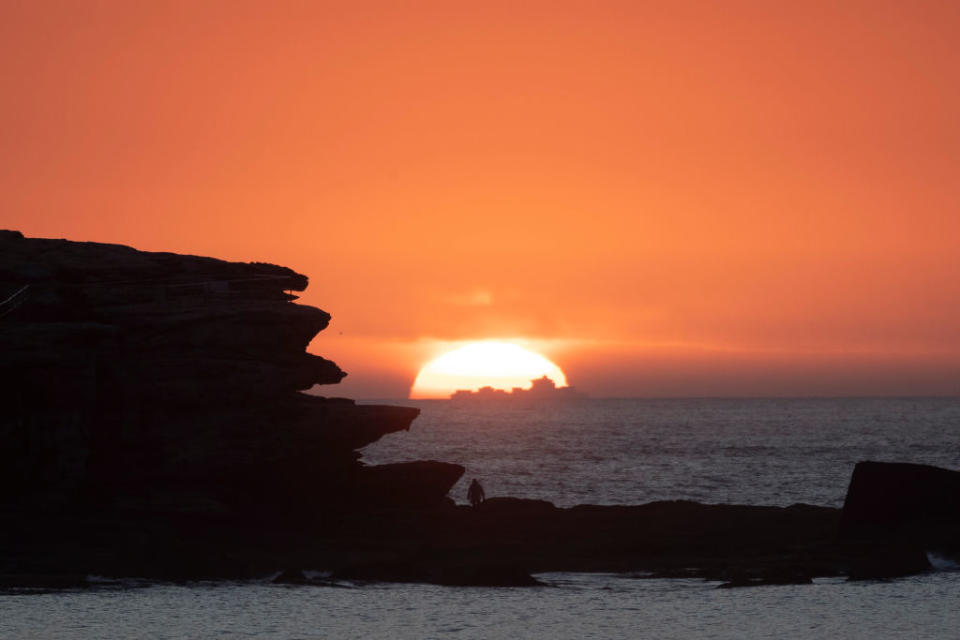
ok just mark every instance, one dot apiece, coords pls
pixel 163 382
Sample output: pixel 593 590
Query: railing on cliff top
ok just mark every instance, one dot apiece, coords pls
pixel 14 301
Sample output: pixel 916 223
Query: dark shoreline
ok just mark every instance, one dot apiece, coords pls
pixel 501 543
pixel 155 427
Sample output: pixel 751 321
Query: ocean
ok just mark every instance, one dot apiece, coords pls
pixel 600 451
pixel 631 451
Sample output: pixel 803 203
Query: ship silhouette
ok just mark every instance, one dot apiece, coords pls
pixel 541 390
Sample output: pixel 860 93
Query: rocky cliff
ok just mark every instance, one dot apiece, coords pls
pixel 154 424
pixel 171 383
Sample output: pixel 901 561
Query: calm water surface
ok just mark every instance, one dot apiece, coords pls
pixel 600 451
pixel 753 451
pixel 574 606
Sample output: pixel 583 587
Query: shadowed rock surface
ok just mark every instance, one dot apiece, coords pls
pixel 154 426
pixel 887 499
pixel 158 382
pixel 895 512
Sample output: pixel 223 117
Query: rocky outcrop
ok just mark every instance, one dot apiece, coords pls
pixel 886 497
pixel 739 545
pixel 157 382
pixel 872 561
pixel 894 513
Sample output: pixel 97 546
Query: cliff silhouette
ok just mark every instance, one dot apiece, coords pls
pixel 159 381
pixel 154 425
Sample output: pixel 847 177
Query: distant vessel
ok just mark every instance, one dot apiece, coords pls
pixel 541 390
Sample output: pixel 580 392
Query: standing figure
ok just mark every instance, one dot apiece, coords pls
pixel 475 494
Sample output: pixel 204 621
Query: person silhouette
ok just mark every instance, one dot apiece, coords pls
pixel 475 494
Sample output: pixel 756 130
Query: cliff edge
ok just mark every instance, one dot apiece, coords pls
pixel 157 382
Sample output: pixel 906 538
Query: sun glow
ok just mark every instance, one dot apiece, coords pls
pixel 500 365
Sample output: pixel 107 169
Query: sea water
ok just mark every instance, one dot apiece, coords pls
pixel 630 451
pixel 769 451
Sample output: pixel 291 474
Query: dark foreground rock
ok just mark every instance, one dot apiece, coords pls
pixel 154 426
pixel 904 501
pixel 449 544
pixel 504 542
pixel 657 537
pixel 154 382
pixel 894 513
pixel 154 421
pixel 872 561
pixel 42 581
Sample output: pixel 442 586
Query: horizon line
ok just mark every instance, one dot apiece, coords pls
pixel 718 397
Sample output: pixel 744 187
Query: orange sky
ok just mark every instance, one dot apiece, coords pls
pixel 668 198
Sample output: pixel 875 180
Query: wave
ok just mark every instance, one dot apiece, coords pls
pixel 940 562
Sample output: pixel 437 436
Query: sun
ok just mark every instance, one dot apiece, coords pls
pixel 501 365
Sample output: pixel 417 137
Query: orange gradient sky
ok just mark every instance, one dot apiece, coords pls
pixel 665 198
